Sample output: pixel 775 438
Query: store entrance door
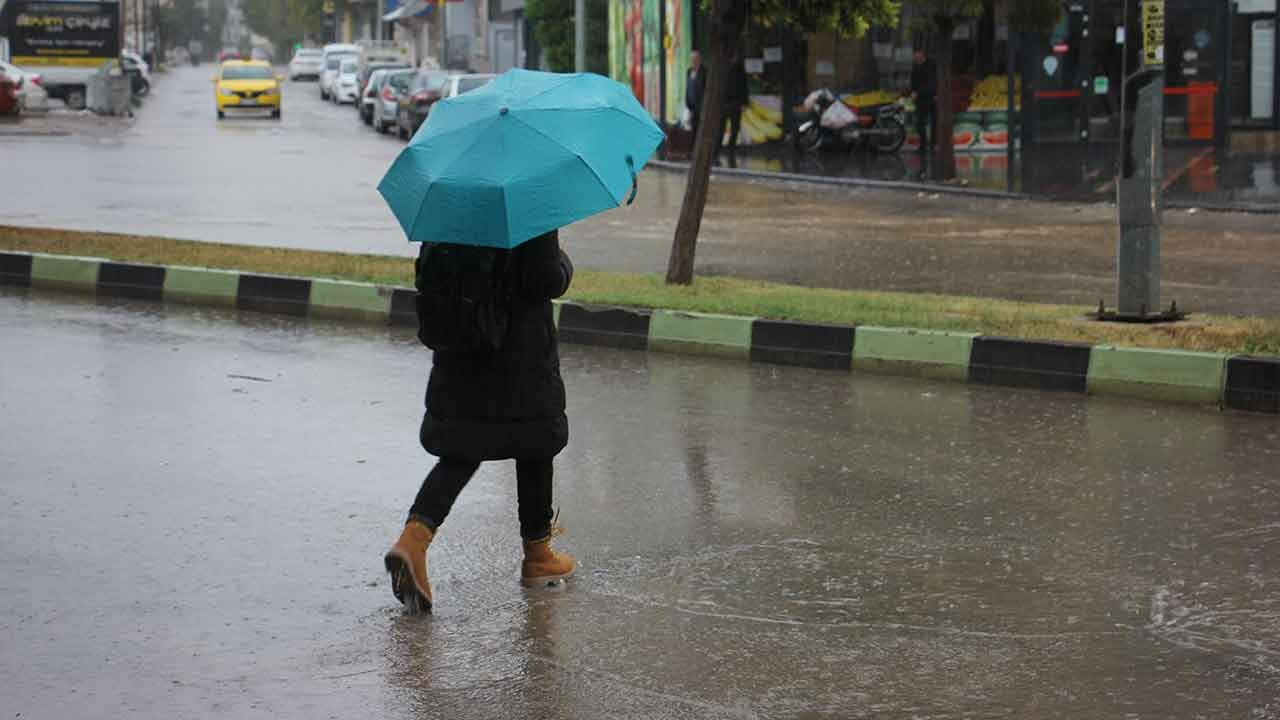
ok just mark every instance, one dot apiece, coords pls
pixel 1196 43
pixel 1254 101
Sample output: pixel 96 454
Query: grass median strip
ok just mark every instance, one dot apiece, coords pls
pixel 713 295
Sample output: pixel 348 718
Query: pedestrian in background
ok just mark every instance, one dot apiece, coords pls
pixel 924 91
pixel 486 404
pixel 695 84
pixel 736 96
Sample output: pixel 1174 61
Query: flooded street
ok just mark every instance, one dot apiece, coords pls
pixel 196 502
pixel 309 181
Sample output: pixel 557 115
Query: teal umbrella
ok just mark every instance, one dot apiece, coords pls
pixel 528 153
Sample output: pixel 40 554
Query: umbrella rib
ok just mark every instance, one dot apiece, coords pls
pixel 641 122
pixel 586 164
pixel 443 172
pixel 627 115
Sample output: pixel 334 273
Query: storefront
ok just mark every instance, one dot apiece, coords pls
pixel 1253 65
pixel 1220 68
pixel 1060 89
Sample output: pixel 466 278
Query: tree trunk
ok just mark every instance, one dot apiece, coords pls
pixel 945 160
pixel 726 34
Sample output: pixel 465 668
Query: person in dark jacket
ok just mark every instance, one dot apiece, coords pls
pixel 695 84
pixel 736 96
pixel 924 90
pixel 507 404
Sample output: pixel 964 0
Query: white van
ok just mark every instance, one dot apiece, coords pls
pixel 331 61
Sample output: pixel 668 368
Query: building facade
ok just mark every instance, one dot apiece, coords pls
pixel 1059 87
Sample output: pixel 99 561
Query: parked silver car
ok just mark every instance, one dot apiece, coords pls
pixel 391 85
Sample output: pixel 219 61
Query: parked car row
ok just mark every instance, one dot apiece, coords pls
pixel 388 94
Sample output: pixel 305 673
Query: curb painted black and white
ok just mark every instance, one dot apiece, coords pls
pixel 1230 381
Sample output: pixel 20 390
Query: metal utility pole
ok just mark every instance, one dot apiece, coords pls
pixel 579 35
pixel 443 47
pixel 1140 187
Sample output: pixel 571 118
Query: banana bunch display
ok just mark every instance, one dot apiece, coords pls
pixel 993 94
pixel 760 124
pixel 869 99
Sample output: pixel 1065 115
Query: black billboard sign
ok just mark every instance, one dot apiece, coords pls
pixel 74 34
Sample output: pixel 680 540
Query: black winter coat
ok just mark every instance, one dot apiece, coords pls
pixel 508 404
pixel 737 93
pixel 924 81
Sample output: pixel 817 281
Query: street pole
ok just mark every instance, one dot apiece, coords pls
pixel 1140 188
pixel 442 32
pixel 579 35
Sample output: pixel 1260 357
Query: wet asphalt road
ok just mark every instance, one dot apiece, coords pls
pixel 309 181
pixel 195 503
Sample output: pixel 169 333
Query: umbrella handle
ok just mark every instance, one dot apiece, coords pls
pixel 635 184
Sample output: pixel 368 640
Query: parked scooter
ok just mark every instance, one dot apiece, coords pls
pixel 833 125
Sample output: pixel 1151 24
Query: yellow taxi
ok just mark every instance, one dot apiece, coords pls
pixel 246 85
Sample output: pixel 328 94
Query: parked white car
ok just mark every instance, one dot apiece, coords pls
pixel 386 98
pixel 306 63
pixel 31 94
pixel 329 75
pixel 346 84
pixel 330 63
pixel 365 103
pixel 459 84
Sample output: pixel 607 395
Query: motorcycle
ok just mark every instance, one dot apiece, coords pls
pixel 832 124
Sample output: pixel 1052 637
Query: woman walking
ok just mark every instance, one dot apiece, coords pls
pixel 504 404
pixel 485 186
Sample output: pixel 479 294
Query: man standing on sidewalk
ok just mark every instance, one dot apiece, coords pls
pixel 694 85
pixel 736 96
pixel 924 90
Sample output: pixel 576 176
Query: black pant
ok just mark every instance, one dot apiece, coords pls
pixel 732 122
pixel 449 476
pixel 927 119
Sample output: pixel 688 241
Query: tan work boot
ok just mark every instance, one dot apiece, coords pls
pixel 543 566
pixel 407 563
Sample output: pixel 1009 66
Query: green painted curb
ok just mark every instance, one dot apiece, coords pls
pixel 340 298
pixel 216 287
pixel 918 353
pixel 703 334
pixel 1176 375
pixel 53 271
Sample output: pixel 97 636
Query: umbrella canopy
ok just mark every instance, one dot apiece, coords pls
pixel 528 153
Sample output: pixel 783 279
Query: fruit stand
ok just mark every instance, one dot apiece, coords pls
pixel 982 120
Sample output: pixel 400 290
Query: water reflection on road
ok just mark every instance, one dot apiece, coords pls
pixel 755 541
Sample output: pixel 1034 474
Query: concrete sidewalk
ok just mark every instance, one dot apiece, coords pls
pixel 1244 177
